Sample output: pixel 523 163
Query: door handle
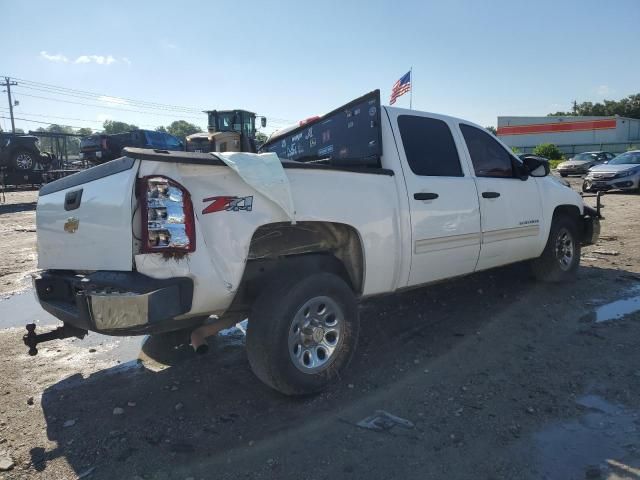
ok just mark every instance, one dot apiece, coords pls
pixel 490 194
pixel 425 196
pixel 72 200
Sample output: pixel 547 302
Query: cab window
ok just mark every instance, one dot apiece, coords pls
pixel 489 158
pixel 429 147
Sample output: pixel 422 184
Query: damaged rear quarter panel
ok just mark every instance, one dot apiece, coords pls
pixel 366 202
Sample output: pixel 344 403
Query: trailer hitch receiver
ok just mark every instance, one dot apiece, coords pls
pixel 31 339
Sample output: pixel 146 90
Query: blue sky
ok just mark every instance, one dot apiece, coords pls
pixel 290 60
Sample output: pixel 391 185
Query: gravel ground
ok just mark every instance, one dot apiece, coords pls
pixel 500 377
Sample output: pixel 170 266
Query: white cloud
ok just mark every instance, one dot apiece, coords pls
pixel 113 100
pixel 170 46
pixel 58 57
pixel 603 90
pixel 126 60
pixel 99 59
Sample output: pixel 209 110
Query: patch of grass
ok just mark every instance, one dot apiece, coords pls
pixel 554 163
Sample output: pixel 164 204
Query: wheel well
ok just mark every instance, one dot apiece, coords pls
pixel 568 210
pixel 329 246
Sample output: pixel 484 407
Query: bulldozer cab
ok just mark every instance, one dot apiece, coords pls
pixel 228 131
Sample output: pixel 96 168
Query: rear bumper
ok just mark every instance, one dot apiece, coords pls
pixel 116 303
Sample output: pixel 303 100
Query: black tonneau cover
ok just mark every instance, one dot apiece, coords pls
pixel 349 135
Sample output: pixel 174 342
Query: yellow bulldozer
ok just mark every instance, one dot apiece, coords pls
pixel 228 131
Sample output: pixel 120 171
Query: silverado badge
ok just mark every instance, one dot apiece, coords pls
pixel 71 225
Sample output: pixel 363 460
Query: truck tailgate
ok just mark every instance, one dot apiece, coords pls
pixel 84 221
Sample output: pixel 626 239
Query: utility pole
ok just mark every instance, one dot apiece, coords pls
pixel 7 83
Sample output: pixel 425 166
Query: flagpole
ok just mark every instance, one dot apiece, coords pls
pixel 411 95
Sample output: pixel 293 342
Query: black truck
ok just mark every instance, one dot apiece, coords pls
pixel 100 148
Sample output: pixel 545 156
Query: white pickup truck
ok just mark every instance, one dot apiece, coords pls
pixel 363 201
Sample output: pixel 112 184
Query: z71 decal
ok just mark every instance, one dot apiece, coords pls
pixel 230 204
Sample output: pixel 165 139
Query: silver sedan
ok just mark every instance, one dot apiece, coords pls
pixel 621 173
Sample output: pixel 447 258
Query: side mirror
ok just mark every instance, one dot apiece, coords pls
pixel 536 167
pixel 263 122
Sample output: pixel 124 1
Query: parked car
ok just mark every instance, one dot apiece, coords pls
pixel 621 173
pixel 21 153
pixel 582 162
pixel 367 200
pixel 100 148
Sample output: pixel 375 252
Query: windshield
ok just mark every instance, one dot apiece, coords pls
pixel 585 156
pixel 630 158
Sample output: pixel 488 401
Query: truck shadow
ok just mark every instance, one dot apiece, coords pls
pixel 129 420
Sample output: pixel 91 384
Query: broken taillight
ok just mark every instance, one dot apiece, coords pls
pixel 167 216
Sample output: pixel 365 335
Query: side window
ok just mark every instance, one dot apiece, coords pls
pixel 429 147
pixel 489 158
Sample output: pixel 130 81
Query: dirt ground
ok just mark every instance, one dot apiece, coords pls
pixel 501 378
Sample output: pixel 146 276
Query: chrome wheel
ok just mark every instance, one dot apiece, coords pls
pixel 565 249
pixel 315 334
pixel 24 161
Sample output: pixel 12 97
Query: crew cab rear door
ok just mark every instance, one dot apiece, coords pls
pixel 443 201
pixel 84 220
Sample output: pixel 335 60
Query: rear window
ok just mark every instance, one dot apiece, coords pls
pixel 429 147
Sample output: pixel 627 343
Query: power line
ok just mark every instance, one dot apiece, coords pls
pixel 71 118
pixel 174 115
pixel 94 94
pixel 107 98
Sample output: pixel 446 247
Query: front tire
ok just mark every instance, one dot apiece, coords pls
pixel 564 174
pixel 302 332
pixel 561 256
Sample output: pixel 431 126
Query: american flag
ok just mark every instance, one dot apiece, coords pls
pixel 401 87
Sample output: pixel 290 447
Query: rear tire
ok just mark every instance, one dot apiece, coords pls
pixel 302 332
pixel 561 256
pixel 564 174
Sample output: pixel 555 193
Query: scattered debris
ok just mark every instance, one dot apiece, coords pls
pixel 601 251
pixel 131 404
pixel 30 401
pixel 69 423
pixel 118 411
pixel 383 421
pixel 178 407
pixel 86 473
pixel 6 462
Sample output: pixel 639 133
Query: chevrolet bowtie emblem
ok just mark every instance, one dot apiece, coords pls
pixel 71 225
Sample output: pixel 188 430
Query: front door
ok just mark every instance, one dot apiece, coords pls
pixel 510 208
pixel 445 216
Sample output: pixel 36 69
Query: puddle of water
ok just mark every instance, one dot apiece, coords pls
pixel 119 353
pixel 23 308
pixel 606 433
pixel 618 309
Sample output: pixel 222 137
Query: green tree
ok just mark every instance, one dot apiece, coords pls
pixel 112 126
pixel 548 150
pixel 627 107
pixel 516 150
pixel 182 129
pixel 85 132
pixel 161 129
pixel 261 137
pixel 491 129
